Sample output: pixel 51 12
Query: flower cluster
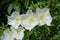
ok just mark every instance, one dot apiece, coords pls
pixel 26 21
pixel 13 34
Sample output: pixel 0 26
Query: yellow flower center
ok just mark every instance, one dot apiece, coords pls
pixel 31 20
pixel 41 17
pixel 17 19
pixel 17 31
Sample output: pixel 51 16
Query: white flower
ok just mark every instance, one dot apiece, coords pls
pixel 44 16
pixel 15 19
pixel 7 35
pixel 18 33
pixel 29 20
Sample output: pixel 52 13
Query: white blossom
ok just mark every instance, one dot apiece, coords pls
pixel 43 16
pixel 15 19
pixel 18 33
pixel 29 20
pixel 7 35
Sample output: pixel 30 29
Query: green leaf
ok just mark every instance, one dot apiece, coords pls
pixel 10 8
pixel 26 3
pixel 16 7
pixel 58 5
pixel 55 37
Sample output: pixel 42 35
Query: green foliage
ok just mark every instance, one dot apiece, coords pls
pixel 39 32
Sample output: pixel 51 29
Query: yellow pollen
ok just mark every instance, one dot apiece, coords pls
pixel 31 20
pixel 41 17
pixel 18 31
pixel 17 19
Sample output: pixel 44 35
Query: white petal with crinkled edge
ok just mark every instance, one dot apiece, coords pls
pixel 7 35
pixel 45 18
pixel 18 33
pixel 15 19
pixel 30 20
